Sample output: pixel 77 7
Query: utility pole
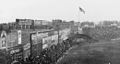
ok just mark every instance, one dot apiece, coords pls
pixel 58 33
pixel 31 42
pixel 31 45
pixel 57 24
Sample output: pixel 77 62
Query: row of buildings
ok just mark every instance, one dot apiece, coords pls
pixel 21 24
pixel 20 30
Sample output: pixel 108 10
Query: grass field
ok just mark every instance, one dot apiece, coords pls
pixel 103 52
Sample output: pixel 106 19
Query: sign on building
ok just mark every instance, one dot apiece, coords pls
pixel 42 35
pixel 4 42
pixel 3 36
pixel 54 39
pixel 26 49
pixel 19 37
pixel 34 38
pixel 27 46
pixel 44 46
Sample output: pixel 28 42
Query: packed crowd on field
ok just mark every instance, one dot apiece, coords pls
pixel 49 55
pixel 55 52
pixel 102 32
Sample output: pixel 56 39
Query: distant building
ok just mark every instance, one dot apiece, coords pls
pixel 87 23
pixel 25 23
pixel 5 27
pixel 12 25
pixel 42 24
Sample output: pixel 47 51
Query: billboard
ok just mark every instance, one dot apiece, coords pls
pixel 54 39
pixel 34 38
pixel 26 46
pixel 16 52
pixel 3 36
pixel 50 40
pixel 64 34
pixel 46 40
pixel 12 39
pixel 26 49
pixel 42 35
pixel 45 46
pixel 19 37
pixel 38 37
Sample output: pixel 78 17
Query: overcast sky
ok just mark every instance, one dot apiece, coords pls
pixel 96 10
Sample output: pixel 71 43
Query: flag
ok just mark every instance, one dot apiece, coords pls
pixel 82 10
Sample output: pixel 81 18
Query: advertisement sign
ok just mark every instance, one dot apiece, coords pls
pixel 27 46
pixel 54 39
pixel 42 35
pixel 16 52
pixel 26 49
pixel 47 40
pixel 3 42
pixel 38 37
pixel 34 38
pixel 19 37
pixel 64 37
pixel 64 34
pixel 3 36
pixel 45 46
pixel 26 54
pixel 12 39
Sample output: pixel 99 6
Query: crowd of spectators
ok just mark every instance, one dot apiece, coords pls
pixel 52 54
pixel 49 55
pixel 102 32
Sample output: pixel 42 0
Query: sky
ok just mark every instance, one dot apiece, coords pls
pixel 96 10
